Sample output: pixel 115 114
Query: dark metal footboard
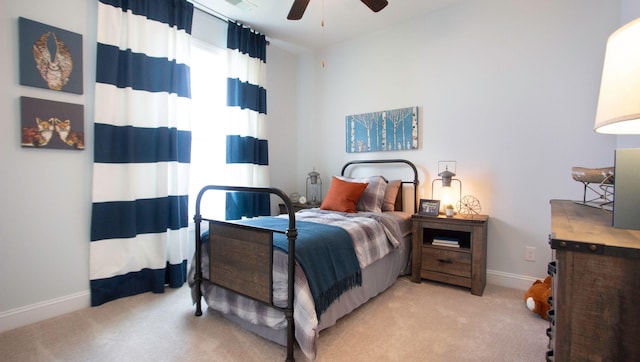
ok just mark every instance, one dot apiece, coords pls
pixel 241 257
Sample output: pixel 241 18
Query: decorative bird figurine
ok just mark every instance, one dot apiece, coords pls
pixel 54 71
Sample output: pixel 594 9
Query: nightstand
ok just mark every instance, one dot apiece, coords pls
pixel 451 250
pixel 296 207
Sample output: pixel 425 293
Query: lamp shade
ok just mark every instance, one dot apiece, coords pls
pixel 619 102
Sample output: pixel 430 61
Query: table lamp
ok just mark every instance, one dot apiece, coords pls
pixel 447 196
pixel 619 113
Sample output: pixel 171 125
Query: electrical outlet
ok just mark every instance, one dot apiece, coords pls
pixel 530 253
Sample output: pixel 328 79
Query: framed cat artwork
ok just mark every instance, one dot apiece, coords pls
pixel 50 124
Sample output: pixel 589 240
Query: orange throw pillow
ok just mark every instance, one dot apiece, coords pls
pixel 343 195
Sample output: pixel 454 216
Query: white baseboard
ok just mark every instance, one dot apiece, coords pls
pixel 515 281
pixel 37 312
pixel 52 308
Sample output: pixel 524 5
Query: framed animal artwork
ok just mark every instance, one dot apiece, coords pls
pixel 49 124
pixel 50 57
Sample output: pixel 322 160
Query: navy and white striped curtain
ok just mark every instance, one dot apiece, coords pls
pixel 139 226
pixel 247 146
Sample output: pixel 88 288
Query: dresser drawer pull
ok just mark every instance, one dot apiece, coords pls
pixel 549 356
pixel 446 261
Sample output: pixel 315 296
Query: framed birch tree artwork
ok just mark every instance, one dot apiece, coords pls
pixel 392 130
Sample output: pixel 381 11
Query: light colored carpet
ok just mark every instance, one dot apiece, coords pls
pixel 409 322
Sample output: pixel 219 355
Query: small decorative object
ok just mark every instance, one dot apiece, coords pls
pixel 429 207
pixel 604 178
pixel 50 57
pixel 302 200
pixel 294 197
pixel 49 124
pixel 314 188
pixel 392 130
pixel 537 297
pixel 447 195
pixel 469 206
pixel 448 209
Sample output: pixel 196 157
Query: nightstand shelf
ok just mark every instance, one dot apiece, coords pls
pixel 463 257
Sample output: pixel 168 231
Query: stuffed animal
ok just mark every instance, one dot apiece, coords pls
pixel 536 298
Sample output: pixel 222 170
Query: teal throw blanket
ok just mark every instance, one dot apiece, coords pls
pixel 324 252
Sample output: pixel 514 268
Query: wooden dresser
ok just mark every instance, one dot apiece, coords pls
pixel 596 286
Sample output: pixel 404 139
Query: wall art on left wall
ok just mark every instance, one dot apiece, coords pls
pixel 50 57
pixel 49 124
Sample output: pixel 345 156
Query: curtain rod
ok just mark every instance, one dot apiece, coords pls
pixel 210 11
pixel 202 7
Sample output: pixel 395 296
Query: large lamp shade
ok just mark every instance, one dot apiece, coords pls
pixel 619 102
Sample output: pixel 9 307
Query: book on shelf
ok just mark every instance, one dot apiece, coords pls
pixel 445 245
pixel 450 242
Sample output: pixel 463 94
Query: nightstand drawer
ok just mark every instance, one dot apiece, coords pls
pixel 445 261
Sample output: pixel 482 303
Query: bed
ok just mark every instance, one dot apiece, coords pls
pixel 288 277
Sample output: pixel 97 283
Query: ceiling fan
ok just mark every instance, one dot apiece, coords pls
pixel 299 6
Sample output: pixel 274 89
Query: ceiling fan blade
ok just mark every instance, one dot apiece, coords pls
pixel 297 9
pixel 376 5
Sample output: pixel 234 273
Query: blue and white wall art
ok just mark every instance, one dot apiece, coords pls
pixel 391 130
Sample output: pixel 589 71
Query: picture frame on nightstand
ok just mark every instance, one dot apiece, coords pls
pixel 429 207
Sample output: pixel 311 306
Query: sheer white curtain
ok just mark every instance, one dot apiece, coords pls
pixel 208 127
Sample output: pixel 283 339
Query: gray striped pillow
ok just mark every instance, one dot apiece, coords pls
pixel 373 196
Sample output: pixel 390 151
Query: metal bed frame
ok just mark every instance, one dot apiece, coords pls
pixel 251 276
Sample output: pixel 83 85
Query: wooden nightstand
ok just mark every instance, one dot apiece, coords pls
pixel 296 207
pixel 464 263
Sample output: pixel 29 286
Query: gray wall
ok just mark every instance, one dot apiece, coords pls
pixel 44 230
pixel 44 233
pixel 507 89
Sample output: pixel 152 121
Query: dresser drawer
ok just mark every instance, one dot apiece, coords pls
pixel 445 261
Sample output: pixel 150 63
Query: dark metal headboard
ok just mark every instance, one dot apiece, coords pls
pixel 414 182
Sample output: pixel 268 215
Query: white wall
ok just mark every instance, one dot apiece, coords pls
pixel 44 229
pixel 507 89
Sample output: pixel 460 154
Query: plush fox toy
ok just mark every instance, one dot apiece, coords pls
pixel 536 298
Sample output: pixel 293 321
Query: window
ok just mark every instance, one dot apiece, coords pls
pixel 208 136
